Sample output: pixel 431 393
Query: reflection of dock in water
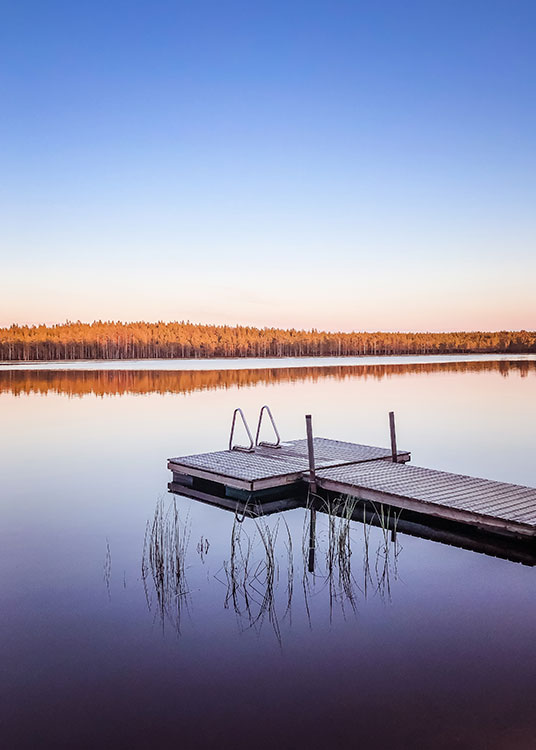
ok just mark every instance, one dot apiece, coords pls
pixel 264 478
pixel 395 520
pixel 213 493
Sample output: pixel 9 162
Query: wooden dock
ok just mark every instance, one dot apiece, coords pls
pixel 265 474
pixel 493 506
pixel 269 467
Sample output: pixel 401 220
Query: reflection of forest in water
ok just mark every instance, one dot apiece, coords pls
pixel 119 382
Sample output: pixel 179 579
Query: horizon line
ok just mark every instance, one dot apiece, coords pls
pixel 67 322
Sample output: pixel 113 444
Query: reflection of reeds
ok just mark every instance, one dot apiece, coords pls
pixel 339 578
pixel 259 574
pixel 388 550
pixel 290 570
pixel 251 583
pixel 164 562
pixel 107 576
pixel 344 552
pixel 203 546
pixel 267 574
pixel 366 546
pixel 337 571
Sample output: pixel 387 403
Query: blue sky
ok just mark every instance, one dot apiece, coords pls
pixel 342 165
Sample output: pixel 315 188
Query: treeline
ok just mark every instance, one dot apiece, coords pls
pixel 76 383
pixel 115 340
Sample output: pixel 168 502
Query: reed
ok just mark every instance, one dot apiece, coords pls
pixel 386 557
pixel 163 567
pixel 203 546
pixel 259 574
pixel 107 574
pixel 252 572
pixel 339 576
pixel 290 570
pixel 380 564
pixel 267 573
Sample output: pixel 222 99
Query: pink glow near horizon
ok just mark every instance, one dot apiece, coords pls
pixel 389 303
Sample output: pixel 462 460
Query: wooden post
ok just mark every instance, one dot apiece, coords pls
pixel 394 452
pixel 312 488
pixel 311 452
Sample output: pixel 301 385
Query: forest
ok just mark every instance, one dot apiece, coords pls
pixel 140 340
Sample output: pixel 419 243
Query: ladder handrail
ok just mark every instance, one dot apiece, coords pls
pixel 277 444
pixel 246 449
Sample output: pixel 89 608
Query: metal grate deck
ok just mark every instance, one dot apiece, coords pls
pixel 455 496
pixel 271 467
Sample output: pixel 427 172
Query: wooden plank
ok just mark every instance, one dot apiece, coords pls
pixel 240 484
pixel 280 481
pixel 438 511
pixel 484 495
pixel 476 499
pixel 512 504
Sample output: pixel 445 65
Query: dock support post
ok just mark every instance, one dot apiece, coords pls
pixel 312 489
pixel 312 541
pixel 394 452
pixel 311 452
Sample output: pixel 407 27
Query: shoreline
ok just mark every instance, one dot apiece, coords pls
pixel 244 363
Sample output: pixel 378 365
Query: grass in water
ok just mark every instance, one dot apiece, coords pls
pixel 252 579
pixel 163 567
pixel 259 575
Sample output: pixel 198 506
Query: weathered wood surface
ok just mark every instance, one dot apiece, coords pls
pixel 480 502
pixel 272 467
pixel 368 472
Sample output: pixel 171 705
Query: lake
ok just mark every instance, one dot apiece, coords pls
pixel 406 643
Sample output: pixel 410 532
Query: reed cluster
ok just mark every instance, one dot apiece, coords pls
pixel 260 574
pixel 163 568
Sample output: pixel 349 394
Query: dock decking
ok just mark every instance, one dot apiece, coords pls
pixel 363 471
pixel 494 506
pixel 269 467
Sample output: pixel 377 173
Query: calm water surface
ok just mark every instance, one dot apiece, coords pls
pixel 419 645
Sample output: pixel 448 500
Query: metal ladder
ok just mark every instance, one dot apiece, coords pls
pixel 258 443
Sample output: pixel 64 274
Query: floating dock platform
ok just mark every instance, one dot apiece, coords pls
pixel 269 467
pixel 264 474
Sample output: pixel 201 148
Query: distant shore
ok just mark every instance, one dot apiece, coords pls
pixel 266 363
pixel 113 340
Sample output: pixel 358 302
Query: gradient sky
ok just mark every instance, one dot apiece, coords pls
pixel 352 165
